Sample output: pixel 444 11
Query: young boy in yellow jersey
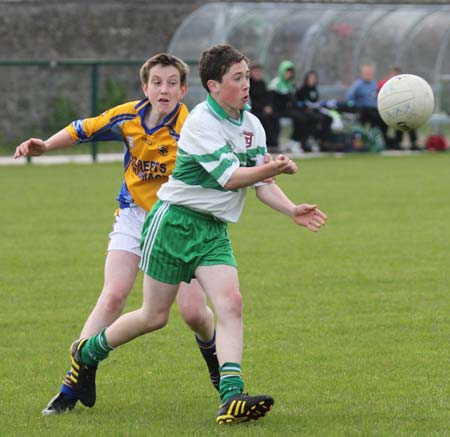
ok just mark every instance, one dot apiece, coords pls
pixel 150 130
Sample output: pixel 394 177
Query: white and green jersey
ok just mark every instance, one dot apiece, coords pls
pixel 211 147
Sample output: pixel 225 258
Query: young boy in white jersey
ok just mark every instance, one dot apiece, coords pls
pixel 149 130
pixel 220 153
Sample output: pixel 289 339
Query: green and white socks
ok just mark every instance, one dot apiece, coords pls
pixel 231 383
pixel 95 349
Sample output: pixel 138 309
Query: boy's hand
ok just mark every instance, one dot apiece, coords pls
pixel 309 216
pixel 285 165
pixel 31 147
pixel 267 159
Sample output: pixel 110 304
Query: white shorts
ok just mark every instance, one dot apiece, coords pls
pixel 127 230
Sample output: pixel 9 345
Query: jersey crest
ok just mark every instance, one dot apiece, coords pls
pixel 163 150
pixel 248 136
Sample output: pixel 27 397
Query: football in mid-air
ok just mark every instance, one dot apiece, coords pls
pixel 405 102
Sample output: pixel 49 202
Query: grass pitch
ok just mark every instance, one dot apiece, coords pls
pixel 347 329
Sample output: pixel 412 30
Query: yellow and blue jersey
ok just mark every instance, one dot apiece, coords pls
pixel 149 154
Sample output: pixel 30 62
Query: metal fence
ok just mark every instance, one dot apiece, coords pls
pixel 41 97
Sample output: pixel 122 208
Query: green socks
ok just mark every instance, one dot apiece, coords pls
pixel 95 349
pixel 231 383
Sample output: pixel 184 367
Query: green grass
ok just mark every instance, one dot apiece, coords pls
pixel 348 329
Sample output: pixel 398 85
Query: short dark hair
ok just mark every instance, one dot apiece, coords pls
pixel 395 68
pixel 216 61
pixel 165 60
pixel 256 65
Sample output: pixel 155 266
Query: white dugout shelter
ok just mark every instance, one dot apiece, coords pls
pixel 333 39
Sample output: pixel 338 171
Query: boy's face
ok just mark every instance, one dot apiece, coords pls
pixel 164 89
pixel 232 93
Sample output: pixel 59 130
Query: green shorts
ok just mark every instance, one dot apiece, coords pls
pixel 176 240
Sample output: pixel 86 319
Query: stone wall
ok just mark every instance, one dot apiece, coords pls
pixel 88 29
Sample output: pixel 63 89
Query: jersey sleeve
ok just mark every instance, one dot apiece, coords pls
pixel 104 127
pixel 205 144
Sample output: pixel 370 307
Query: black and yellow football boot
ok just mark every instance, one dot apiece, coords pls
pixel 242 408
pixel 82 377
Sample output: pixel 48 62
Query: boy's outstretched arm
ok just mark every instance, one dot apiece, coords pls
pixel 309 216
pixel 36 146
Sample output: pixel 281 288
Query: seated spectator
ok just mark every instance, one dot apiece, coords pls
pixel 394 71
pixel 282 90
pixel 363 96
pixel 260 99
pixel 307 97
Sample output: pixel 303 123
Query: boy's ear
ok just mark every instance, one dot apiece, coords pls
pixel 213 85
pixel 184 89
pixel 144 88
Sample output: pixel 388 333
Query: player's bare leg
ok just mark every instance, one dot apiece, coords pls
pixel 121 268
pixel 222 286
pixel 199 317
pixel 192 303
pixel 158 298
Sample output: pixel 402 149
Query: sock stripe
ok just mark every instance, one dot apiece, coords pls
pixel 95 349
pixel 230 369
pixel 229 375
pixel 206 344
pixel 103 343
pixel 206 347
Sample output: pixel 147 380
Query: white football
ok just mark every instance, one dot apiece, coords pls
pixel 405 102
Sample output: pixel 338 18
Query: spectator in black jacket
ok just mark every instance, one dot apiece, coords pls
pixel 318 122
pixel 261 103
